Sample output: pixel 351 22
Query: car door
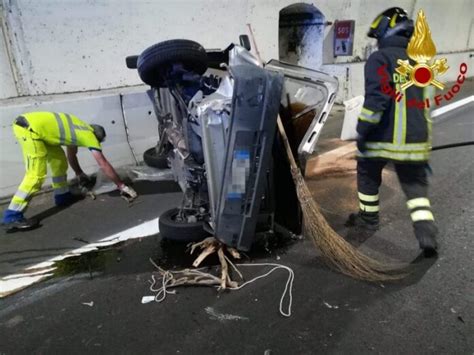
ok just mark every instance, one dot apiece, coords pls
pixel 306 101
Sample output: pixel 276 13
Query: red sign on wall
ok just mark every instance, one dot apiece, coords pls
pixel 343 37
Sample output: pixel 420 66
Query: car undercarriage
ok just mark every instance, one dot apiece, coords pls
pixel 217 113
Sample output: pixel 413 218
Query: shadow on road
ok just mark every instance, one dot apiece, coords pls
pixel 51 212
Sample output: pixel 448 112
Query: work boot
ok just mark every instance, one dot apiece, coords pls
pixel 24 224
pixel 369 221
pixel 425 232
pixel 14 221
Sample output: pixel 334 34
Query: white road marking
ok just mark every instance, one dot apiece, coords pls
pixel 442 110
pixel 15 284
pixel 38 272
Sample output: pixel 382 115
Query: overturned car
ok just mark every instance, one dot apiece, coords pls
pixel 217 112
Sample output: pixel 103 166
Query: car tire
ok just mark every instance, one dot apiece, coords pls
pixel 154 160
pixel 171 229
pixel 157 60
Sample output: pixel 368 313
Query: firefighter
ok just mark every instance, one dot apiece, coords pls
pixel 41 135
pixel 390 132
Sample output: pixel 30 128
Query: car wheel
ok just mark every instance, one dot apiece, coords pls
pixel 156 61
pixel 172 229
pixel 155 160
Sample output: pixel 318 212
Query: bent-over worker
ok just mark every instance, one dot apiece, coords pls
pixel 41 135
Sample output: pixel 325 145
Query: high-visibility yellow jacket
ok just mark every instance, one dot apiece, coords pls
pixel 62 129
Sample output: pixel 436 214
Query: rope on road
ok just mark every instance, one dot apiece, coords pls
pixel 167 282
pixel 288 287
pixel 162 291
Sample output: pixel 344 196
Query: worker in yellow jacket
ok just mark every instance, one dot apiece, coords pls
pixel 41 135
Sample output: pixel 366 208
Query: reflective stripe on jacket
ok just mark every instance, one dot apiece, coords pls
pixel 62 129
pixel 394 128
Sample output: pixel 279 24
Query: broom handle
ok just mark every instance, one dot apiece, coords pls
pixel 452 145
pixel 284 138
pixel 254 43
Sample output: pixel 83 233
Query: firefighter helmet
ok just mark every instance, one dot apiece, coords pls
pixel 393 21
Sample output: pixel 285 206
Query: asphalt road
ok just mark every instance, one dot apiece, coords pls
pixel 87 221
pixel 430 312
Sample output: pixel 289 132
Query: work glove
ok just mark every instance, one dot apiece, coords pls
pixel 361 143
pixel 85 181
pixel 127 193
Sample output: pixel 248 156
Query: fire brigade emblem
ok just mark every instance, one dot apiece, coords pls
pixel 422 49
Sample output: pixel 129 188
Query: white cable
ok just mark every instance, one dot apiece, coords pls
pixel 162 291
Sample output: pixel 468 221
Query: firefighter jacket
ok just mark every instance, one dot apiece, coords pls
pixel 394 124
pixel 61 129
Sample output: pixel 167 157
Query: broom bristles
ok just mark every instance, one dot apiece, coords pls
pixel 335 249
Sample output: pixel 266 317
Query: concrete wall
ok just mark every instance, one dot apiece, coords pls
pixel 451 23
pixel 74 51
pixel 60 46
pixel 126 117
pixel 7 86
pixel 80 45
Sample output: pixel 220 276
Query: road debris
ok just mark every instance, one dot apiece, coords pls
pixel 90 304
pixel 211 245
pixel 81 240
pixel 134 203
pixel 330 306
pixel 169 279
pixel 213 314
pixel 147 299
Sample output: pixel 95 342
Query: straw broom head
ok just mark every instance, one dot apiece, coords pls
pixel 335 249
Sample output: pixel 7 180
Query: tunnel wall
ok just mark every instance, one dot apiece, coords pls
pixel 61 46
pixel 70 54
pixel 125 114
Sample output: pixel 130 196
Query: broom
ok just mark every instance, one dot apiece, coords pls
pixel 335 249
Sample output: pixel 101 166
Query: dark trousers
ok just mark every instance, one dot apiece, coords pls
pixel 414 182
